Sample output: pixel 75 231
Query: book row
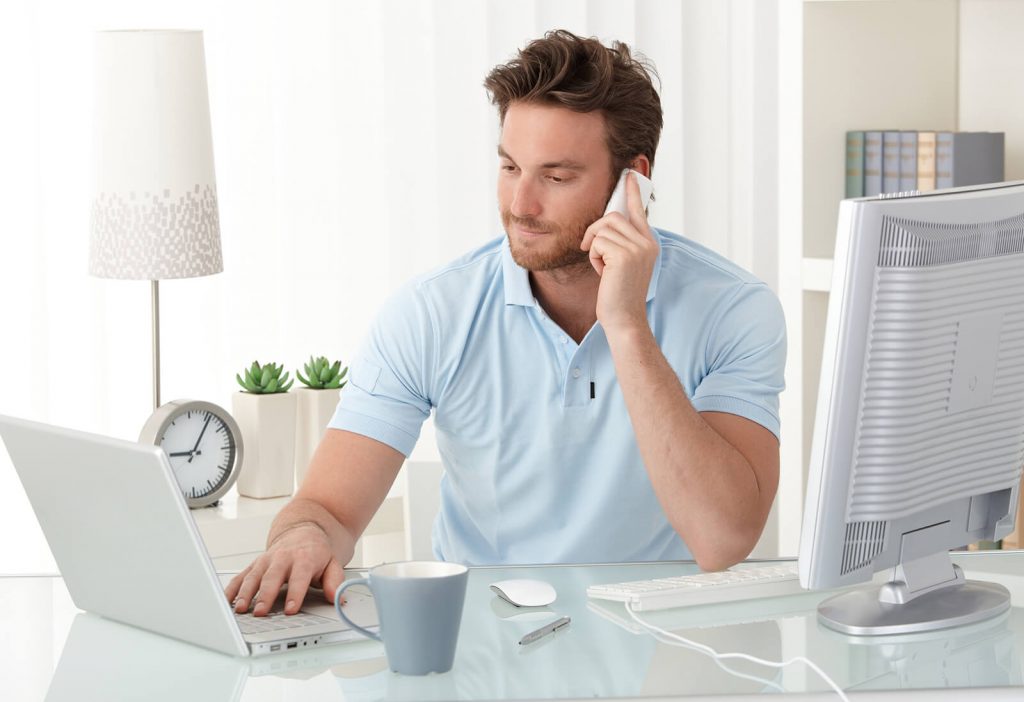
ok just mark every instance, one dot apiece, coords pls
pixel 892 161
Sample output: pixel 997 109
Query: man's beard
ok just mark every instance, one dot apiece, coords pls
pixel 558 248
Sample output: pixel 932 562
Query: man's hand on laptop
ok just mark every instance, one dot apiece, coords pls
pixel 300 556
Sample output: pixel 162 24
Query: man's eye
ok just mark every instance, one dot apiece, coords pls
pixel 557 179
pixel 507 168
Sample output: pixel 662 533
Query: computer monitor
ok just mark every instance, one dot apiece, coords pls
pixel 919 431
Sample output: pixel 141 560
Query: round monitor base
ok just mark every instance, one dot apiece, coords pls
pixel 862 614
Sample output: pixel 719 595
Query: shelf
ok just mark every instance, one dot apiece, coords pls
pixel 942 65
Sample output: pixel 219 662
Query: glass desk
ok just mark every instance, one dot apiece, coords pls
pixel 49 650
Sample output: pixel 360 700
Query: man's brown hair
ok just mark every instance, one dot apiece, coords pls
pixel 582 74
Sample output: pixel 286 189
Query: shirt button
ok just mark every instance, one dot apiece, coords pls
pixel 565 340
pixel 576 372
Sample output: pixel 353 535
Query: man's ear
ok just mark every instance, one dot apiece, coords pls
pixel 642 165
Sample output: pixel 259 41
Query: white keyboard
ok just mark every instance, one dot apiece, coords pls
pixel 742 583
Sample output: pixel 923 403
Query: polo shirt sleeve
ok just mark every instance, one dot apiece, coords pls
pixel 746 358
pixel 388 395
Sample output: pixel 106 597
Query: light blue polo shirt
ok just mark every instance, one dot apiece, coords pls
pixel 541 462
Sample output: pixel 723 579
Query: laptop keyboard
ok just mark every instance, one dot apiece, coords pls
pixel 277 621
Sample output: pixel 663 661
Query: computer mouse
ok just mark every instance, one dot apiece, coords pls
pixel 525 593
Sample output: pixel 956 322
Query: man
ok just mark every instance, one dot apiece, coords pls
pixel 602 391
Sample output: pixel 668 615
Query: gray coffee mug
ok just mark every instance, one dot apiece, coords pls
pixel 419 605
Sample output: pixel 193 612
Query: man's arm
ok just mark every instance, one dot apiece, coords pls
pixel 314 535
pixel 715 474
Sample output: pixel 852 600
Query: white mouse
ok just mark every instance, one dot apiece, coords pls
pixel 525 593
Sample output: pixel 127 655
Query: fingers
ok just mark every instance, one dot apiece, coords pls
pixel 601 252
pixel 611 221
pixel 269 589
pixel 235 584
pixel 298 586
pixel 615 222
pixel 248 584
pixel 606 242
pixel 634 205
pixel 260 584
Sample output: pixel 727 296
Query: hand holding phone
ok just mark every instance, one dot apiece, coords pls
pixel 617 202
pixel 623 251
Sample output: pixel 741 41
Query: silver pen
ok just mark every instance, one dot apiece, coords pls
pixel 545 630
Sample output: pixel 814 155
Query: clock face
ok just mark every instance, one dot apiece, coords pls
pixel 201 449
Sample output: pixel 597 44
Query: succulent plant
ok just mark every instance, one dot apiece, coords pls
pixel 264 380
pixel 321 374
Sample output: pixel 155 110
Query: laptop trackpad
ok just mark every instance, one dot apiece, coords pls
pixel 359 606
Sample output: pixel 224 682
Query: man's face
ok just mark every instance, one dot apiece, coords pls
pixel 554 181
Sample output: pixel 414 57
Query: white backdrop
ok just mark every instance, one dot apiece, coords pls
pixel 355 147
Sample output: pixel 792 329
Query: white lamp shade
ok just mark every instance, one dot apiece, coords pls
pixel 154 212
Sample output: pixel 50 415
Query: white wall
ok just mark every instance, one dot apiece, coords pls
pixel 354 147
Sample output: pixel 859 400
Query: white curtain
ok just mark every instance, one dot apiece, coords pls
pixel 355 147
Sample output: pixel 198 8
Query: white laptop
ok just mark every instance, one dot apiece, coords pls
pixel 128 549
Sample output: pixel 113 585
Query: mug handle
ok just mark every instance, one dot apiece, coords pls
pixel 337 607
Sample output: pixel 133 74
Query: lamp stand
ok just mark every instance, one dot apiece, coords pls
pixel 155 289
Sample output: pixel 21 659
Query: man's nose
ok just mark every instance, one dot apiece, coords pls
pixel 525 202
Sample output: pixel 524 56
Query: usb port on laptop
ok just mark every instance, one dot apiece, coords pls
pixel 293 644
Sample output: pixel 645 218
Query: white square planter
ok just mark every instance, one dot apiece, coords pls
pixel 314 411
pixel 267 423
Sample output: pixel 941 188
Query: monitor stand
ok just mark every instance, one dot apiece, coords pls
pixel 925 594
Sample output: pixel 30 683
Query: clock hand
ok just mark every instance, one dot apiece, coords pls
pixel 180 453
pixel 200 439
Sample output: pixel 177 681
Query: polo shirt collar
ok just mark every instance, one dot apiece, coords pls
pixel 517 278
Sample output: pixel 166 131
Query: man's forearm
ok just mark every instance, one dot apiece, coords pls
pixel 304 510
pixel 708 490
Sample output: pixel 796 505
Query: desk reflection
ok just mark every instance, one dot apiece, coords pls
pixel 980 655
pixel 603 653
pixel 105 660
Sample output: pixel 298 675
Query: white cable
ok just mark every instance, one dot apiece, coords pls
pixel 676 638
pixel 723 666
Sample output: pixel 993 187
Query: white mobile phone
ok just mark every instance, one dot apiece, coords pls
pixel 617 202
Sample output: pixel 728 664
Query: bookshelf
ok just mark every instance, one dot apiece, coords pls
pixel 864 64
